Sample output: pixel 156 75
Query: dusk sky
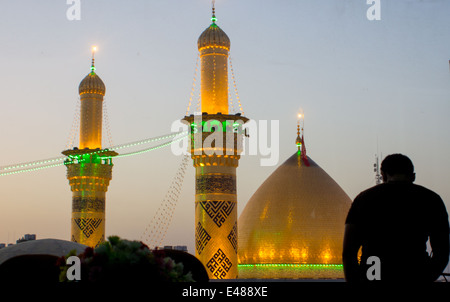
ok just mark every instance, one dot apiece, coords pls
pixel 364 87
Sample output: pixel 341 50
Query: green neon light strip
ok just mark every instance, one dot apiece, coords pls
pixel 31 169
pixel 57 159
pixel 290 265
pixel 152 148
pixel 34 163
pixel 146 141
pixel 95 152
pixel 78 156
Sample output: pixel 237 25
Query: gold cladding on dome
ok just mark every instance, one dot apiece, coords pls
pixel 92 84
pixel 296 217
pixel 213 36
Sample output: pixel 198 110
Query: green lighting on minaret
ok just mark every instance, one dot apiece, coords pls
pixel 213 18
pixel 94 49
pixel 298 141
pixel 89 167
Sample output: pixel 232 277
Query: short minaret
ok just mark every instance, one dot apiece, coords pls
pixel 300 142
pixel 216 145
pixel 89 168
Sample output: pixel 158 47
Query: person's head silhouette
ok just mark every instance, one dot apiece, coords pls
pixel 397 167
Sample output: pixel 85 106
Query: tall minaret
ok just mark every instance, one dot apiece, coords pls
pixel 216 145
pixel 89 168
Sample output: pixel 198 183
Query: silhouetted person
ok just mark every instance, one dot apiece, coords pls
pixel 393 221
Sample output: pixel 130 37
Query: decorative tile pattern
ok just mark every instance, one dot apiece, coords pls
pixel 100 241
pixel 88 204
pixel 219 265
pixel 212 183
pixel 232 237
pixel 218 211
pixel 201 238
pixel 88 225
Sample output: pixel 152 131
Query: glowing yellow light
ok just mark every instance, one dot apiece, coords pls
pixel 294 253
pixel 326 255
pixel 264 212
pixel 94 48
pixel 299 115
pixel 304 253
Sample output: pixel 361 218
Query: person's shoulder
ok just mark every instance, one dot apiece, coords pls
pixel 363 202
pixel 425 191
pixel 433 199
pixel 434 203
pixel 372 191
pixel 369 195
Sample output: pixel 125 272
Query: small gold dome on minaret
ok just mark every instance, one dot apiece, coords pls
pixel 92 82
pixel 213 36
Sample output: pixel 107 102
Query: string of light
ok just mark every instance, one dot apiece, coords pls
pixel 59 161
pixel 146 141
pixel 230 98
pixel 106 124
pixel 75 126
pixel 31 169
pixel 32 164
pixel 156 230
pixel 194 80
pixel 152 148
pixel 214 77
pixel 233 77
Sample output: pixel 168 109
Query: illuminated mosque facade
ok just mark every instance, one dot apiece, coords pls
pixel 292 227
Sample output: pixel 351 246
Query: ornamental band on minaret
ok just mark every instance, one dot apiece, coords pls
pixel 89 168
pixel 216 145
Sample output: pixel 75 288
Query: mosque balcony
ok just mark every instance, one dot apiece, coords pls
pixel 217 116
pixel 216 135
pixel 89 170
pixel 86 155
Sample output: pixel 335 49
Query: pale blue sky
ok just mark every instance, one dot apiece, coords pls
pixel 359 82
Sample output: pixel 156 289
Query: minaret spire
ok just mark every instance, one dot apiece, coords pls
pixel 213 18
pixel 300 141
pixel 214 45
pixel 94 49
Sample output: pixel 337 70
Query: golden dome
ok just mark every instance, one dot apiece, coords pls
pixel 213 36
pixel 92 84
pixel 293 226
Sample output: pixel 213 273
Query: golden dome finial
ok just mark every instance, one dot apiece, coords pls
pixel 213 18
pixel 298 141
pixel 213 36
pixel 92 82
pixel 94 49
